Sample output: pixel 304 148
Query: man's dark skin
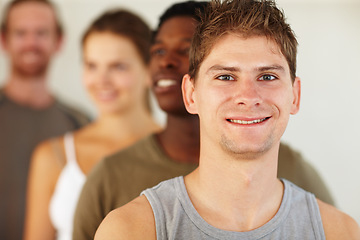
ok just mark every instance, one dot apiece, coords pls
pixel 169 60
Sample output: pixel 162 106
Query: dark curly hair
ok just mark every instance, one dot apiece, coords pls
pixel 189 8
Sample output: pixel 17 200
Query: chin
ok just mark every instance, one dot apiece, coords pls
pixel 179 111
pixel 31 70
pixel 110 112
pixel 250 150
pixel 107 109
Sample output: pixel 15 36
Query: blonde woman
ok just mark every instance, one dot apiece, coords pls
pixel 115 74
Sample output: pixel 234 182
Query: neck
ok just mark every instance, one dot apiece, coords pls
pixel 242 194
pixel 130 125
pixel 181 139
pixel 30 91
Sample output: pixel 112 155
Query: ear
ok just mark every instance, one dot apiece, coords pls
pixel 297 95
pixel 188 92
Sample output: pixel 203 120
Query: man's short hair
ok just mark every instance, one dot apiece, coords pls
pixel 245 18
pixel 182 9
pixel 14 3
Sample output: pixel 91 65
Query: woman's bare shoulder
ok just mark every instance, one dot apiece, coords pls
pixel 50 155
pixel 338 225
pixel 135 220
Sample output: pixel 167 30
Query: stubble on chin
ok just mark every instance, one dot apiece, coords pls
pixel 31 70
pixel 244 151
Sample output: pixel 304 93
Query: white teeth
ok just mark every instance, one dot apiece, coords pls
pixel 166 83
pixel 247 122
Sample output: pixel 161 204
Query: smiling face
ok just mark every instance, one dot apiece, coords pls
pixel 113 72
pixel 170 61
pixel 243 95
pixel 31 38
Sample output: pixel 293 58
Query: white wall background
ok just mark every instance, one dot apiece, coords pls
pixel 326 130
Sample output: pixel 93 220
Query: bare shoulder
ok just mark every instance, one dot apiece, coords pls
pixel 135 220
pixel 48 155
pixel 338 225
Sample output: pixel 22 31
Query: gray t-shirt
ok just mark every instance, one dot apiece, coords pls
pixel 21 129
pixel 298 217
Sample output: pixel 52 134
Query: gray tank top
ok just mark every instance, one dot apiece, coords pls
pixel 298 217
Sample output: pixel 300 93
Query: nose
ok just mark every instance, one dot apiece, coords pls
pixel 247 93
pixel 104 78
pixel 169 60
pixel 30 39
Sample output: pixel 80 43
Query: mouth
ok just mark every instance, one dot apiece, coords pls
pixel 31 56
pixel 166 86
pixel 163 83
pixel 106 95
pixel 245 122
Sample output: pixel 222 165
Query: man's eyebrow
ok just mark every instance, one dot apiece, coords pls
pixel 271 67
pixel 223 68
pixel 218 67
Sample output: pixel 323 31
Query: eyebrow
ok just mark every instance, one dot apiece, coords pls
pixel 222 68
pixel 218 67
pixel 271 67
pixel 160 41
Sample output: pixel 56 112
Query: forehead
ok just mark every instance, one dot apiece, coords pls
pixel 31 14
pixel 245 53
pixel 179 28
pixel 108 45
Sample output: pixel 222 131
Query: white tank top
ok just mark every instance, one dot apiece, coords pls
pixel 67 191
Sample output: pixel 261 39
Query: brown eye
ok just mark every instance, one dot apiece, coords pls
pixel 158 52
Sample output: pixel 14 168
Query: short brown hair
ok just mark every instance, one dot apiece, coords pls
pixel 124 23
pixel 12 4
pixel 247 18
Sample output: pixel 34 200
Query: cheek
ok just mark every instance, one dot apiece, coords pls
pixel 130 82
pixel 283 102
pixel 88 79
pixel 280 95
pixel 13 41
pixel 219 98
pixel 153 64
pixel 51 48
pixel 123 80
pixel 185 65
pixel 13 46
pixel 208 102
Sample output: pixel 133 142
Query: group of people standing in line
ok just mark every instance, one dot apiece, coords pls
pixel 61 174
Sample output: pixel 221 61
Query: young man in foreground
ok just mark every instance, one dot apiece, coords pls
pixel 242 83
pixel 174 151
